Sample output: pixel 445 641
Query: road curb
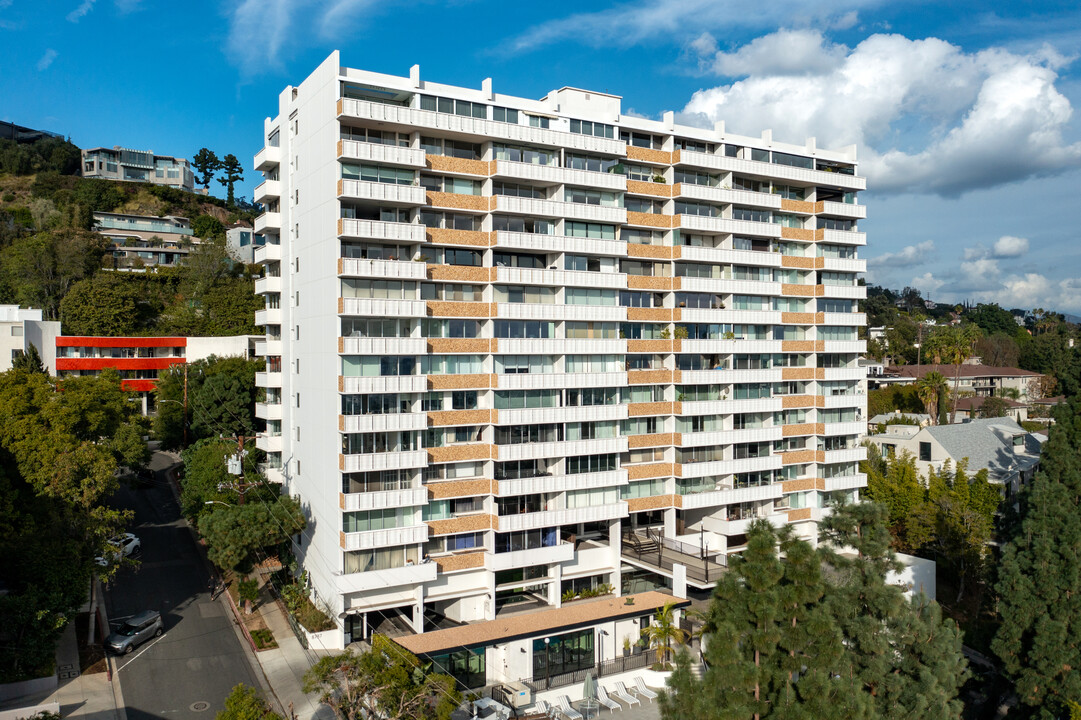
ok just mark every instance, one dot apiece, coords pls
pixel 118 693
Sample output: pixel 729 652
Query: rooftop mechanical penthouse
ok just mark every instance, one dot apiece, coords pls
pixel 521 349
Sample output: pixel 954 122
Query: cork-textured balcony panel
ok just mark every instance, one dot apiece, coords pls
pixel 341 305
pixel 465 561
pixel 649 408
pixel 648 315
pixel 459 382
pixel 820 233
pixel 448 236
pixel 659 157
pixel 638 187
pixel 798 485
pixel 649 377
pixel 654 252
pixel 650 219
pixel 796 430
pixel 341 384
pixel 650 503
pixel 460 488
pixel 456 165
pixel 654 440
pixel 464 346
pixel 467 523
pixel 789 233
pixel 341 461
pixel 340 264
pixel 798 457
pixel 341 422
pixel 797 346
pixel 820 290
pixel 820 262
pixel 341 539
pixel 792 261
pixel 797 401
pixel 791 289
pixel 461 453
pixel 460 273
pixel 441 308
pixel 800 206
pixel 641 282
pixel 801 514
pixel 441 418
pixel 648 346
pixel 820 483
pixel 457 200
pixel 653 470
pixel 798 373
pixel 341 501
pixel 820 345
pixel 820 318
pixel 795 318
pixel 341 345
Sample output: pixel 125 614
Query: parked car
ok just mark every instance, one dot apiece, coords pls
pixel 137 630
pixel 120 547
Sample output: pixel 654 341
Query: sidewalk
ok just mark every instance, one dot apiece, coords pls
pixel 285 665
pixel 83 696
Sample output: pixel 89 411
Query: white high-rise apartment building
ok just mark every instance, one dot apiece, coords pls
pixel 518 349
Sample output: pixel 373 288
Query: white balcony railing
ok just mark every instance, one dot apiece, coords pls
pixel 385 461
pixel 409 535
pixel 383 192
pixel 381 230
pixel 383 154
pixel 563 552
pixel 553 174
pixel 410 497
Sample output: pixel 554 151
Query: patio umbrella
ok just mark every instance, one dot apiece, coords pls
pixel 589 691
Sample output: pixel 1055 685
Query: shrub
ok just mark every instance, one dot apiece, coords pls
pixel 263 639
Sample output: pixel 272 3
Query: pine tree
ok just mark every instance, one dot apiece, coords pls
pixel 29 361
pixel 902 654
pixel 1039 583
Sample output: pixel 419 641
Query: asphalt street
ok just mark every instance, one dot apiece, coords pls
pixel 192 668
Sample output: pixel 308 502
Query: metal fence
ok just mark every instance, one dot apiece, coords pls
pixel 614 666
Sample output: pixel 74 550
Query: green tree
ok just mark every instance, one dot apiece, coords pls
pixel 931 388
pixel 205 471
pixel 104 304
pixel 999 349
pixel 29 361
pixel 1039 584
pixel 233 173
pixel 898 489
pixel 953 345
pixel 664 631
pixel 235 533
pixel 993 407
pixel 244 703
pixel 40 270
pixel 387 682
pixel 207 226
pixel 224 406
pixel 205 164
pixel 773 649
pixel 903 655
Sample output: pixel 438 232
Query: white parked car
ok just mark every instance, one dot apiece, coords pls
pixel 122 546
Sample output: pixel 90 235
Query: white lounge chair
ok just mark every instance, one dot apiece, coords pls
pixel 566 710
pixel 603 699
pixel 621 694
pixel 545 708
pixel 643 690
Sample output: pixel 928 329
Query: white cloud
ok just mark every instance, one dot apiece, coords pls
pixel 636 22
pixel 927 117
pixel 1009 246
pixel 909 255
pixel 81 11
pixel 927 283
pixel 46 60
pixel 1023 290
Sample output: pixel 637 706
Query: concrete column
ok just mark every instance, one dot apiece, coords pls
pixel 418 609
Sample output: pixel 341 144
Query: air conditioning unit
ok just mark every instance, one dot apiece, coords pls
pixel 519 695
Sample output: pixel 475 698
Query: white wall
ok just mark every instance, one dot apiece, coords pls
pixel 918 575
pixel 200 348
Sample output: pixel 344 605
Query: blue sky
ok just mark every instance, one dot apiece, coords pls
pixel 964 113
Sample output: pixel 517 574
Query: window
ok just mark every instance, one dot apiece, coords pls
pixel 590 163
pixel 521 153
pixel 450 148
pixel 507 115
pixel 505 223
pixel 377 173
pixel 454 107
pixel 517 190
pixel 584 127
pixel 591 230
pixel 465 666
pixel 457 186
pixel 642 140
pixel 538 122
pixel 925 451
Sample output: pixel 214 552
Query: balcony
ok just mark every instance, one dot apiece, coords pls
pixel 268 443
pixel 560 244
pixel 554 381
pixel 730 496
pixel 560 346
pixel 728 225
pixel 848 292
pixel 382 192
pixel 393 269
pixel 268 158
pixel 268 379
pixel 849 400
pixel 844 346
pixel 555 175
pixel 530 451
pixel 727 407
pixel 724 195
pixel 652 550
pixel 570 516
pixel 268 285
pixel 854 427
pixel 854 454
pixel 563 552
pixel 728 285
pixel 725 467
pixel 268 222
pixel 729 437
pixel 382 154
pixel 387 384
pixel 588 413
pixel 844 319
pixel 549 311
pixel 412 118
pixel 718 315
pixel 845 210
pixel 267 190
pixel 263 253
pixel 384 346
pixel 393 422
pixel 844 373
pixel 410 535
pixel 373 580
pixel 760 258
pixel 268 411
pixel 558 209
pixel 729 528
pixel 724 347
pixel 845 482
pixel 379 307
pixel 561 278
pixel 770 170
pixel 559 483
pixel 268 316
pixel 404 460
pixel 379 230
pixel 378 500
pixel 841 237
pixel 844 264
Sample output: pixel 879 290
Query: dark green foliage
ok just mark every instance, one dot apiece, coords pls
pixel 235 533
pixel 1000 349
pixel 105 304
pixel 894 397
pixel 205 163
pixel 29 361
pixel 1039 583
pixel 992 319
pixel 40 270
pixel 244 703
pixel 221 400
pixel 207 226
pixel 232 173
pixel 993 407
pixel 204 472
pixel 48 154
pixel 387 681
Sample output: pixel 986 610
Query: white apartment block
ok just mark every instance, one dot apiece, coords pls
pixel 518 347
pixel 22 327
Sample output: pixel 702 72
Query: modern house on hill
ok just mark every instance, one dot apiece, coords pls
pixel 119 163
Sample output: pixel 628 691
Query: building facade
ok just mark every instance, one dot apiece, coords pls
pixel 242 242
pixel 22 327
pixel 142 240
pixel 119 163
pixel 521 349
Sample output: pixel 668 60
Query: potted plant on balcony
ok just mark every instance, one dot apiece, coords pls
pixel 626 646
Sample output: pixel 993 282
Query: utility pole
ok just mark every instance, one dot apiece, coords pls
pixel 185 404
pixel 235 466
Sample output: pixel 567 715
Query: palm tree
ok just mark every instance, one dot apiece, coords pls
pixel 664 630
pixel 930 388
pixel 953 345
